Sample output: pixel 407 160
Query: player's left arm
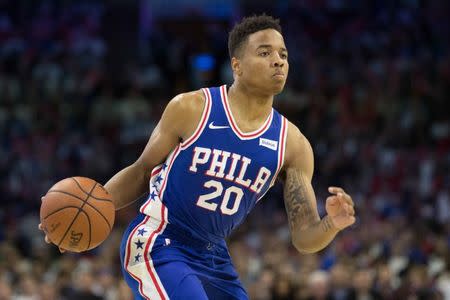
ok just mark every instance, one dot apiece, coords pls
pixel 309 232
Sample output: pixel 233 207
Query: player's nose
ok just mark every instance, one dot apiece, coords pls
pixel 278 62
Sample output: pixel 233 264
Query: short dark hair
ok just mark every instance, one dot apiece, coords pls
pixel 240 32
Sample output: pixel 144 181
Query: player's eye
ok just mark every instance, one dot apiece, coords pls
pixel 264 53
pixel 284 56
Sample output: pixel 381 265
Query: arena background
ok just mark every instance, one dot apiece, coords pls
pixel 82 84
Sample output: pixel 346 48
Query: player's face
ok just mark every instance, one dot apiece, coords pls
pixel 263 64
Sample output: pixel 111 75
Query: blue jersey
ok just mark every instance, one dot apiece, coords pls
pixel 211 181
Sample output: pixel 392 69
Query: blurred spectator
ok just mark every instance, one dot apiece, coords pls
pixel 363 283
pixel 319 286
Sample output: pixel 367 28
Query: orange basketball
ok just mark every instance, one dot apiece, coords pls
pixel 77 214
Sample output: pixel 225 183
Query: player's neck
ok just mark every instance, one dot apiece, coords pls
pixel 247 104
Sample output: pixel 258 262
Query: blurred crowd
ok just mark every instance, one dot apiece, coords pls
pixel 368 86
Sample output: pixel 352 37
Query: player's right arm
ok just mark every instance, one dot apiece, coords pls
pixel 178 122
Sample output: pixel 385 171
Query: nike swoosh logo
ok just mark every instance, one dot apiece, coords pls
pixel 212 126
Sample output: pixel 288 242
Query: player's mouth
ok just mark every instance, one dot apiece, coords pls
pixel 278 75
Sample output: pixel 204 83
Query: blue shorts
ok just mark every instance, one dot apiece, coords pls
pixel 159 262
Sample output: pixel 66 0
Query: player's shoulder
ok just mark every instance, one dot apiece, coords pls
pixel 188 102
pixel 294 133
pixel 297 144
pixel 184 112
pixel 185 106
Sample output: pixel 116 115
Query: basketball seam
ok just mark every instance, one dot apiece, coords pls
pixel 96 198
pixel 79 210
pixel 90 230
pixel 59 209
pixel 87 216
pixel 81 199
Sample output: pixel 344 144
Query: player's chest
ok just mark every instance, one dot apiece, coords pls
pixel 249 167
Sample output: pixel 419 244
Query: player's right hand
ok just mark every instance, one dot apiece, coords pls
pixel 47 239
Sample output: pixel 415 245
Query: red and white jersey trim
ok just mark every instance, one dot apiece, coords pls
pixel 281 153
pixel 203 120
pixel 282 148
pixel 138 262
pixel 157 186
pixel 242 135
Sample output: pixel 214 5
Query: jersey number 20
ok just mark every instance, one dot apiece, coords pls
pixel 207 201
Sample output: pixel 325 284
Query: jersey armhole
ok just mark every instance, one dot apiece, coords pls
pixel 282 148
pixel 202 123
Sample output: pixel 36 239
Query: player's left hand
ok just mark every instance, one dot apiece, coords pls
pixel 340 208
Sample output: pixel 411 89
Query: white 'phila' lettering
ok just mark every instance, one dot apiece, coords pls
pixel 230 166
pixel 201 156
pixel 219 161
pixel 261 179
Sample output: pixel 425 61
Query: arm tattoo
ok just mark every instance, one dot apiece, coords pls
pixel 326 224
pixel 299 206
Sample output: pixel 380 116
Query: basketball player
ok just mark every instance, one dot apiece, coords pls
pixel 213 155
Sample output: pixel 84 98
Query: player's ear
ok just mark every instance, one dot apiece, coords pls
pixel 236 66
